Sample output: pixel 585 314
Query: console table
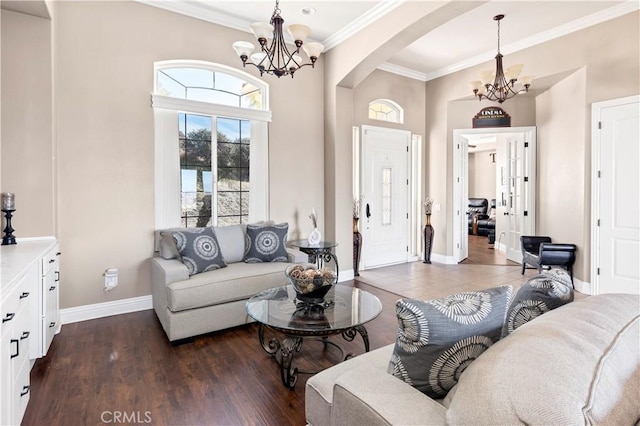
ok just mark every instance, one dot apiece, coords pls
pixel 318 253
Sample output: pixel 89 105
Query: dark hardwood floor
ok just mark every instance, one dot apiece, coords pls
pixel 483 253
pixel 122 369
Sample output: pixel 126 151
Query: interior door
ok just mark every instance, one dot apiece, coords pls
pixel 517 196
pixel 516 180
pixel 617 200
pixel 385 191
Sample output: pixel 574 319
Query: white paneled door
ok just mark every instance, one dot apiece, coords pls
pixel 616 154
pixel 385 190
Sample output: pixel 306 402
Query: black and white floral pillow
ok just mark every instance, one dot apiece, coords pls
pixel 539 294
pixel 199 249
pixel 438 339
pixel 266 243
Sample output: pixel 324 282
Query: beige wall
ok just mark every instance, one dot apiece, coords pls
pixel 104 54
pixel 482 175
pixel 27 150
pixel 406 92
pixel 609 54
pixel 564 157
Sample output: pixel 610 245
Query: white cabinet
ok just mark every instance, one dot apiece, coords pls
pixel 29 283
pixel 49 312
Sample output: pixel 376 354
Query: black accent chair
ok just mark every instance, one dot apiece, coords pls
pixel 477 209
pixel 487 226
pixel 540 252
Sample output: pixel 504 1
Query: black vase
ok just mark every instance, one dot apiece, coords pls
pixel 428 239
pixel 357 247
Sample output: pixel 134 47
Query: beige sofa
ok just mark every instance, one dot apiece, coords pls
pixel 578 364
pixel 214 300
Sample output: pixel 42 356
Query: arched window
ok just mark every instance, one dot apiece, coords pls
pixel 386 110
pixel 211 145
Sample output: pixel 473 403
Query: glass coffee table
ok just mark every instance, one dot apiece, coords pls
pixel 344 311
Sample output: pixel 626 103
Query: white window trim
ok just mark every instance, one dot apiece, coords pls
pixel 167 167
pixel 391 104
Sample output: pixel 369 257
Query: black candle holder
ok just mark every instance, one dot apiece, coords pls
pixel 8 238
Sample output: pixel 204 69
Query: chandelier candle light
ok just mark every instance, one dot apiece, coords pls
pixel 274 57
pixel 499 86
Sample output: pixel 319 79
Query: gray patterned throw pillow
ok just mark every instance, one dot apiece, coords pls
pixel 438 339
pixel 199 249
pixel 266 243
pixel 539 294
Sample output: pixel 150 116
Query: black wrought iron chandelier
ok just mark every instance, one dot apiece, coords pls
pixel 499 86
pixel 274 57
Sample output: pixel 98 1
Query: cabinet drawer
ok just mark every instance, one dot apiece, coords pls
pixel 12 304
pixel 50 260
pixel 21 390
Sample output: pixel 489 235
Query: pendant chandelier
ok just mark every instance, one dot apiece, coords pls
pixel 499 86
pixel 274 57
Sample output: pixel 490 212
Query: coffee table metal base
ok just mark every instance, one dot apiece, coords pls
pixel 284 350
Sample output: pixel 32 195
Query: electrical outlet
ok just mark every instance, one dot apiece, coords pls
pixel 110 279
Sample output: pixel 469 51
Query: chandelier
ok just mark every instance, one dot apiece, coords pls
pixel 274 57
pixel 499 85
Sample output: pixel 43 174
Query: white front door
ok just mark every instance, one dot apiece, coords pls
pixel 616 196
pixel 385 191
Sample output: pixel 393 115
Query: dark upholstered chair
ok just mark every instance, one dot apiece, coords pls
pixel 540 252
pixel 487 225
pixel 476 210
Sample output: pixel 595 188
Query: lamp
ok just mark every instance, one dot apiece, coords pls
pixel 499 85
pixel 274 57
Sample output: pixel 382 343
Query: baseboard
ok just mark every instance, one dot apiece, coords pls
pixel 581 286
pixel 440 258
pixel 106 309
pixel 346 275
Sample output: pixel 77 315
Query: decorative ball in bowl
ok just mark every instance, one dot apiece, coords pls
pixel 310 283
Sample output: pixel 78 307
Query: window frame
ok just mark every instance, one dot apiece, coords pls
pixel 167 202
pixel 391 104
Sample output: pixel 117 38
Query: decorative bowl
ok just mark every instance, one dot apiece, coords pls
pixel 310 283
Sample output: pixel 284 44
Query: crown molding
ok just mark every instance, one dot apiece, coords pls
pixel 405 72
pixel 577 25
pixel 372 15
pixel 199 10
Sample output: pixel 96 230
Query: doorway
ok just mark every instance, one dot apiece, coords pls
pixel 385 196
pixel 515 188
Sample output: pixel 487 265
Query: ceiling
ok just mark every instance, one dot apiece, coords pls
pixel 442 51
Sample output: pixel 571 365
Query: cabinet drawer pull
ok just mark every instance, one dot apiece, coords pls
pixel 8 317
pixel 17 342
pixel 24 294
pixel 25 390
pixel 53 287
pixel 25 334
pixel 53 324
pixel 51 260
pixel 57 276
pixel 58 254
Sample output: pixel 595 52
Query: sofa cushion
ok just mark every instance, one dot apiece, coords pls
pixel 438 339
pixel 232 242
pixel 266 243
pixel 539 294
pixel 165 245
pixel 578 364
pixel 235 282
pixel 199 249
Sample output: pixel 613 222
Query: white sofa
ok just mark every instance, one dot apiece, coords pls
pixel 578 364
pixel 191 305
